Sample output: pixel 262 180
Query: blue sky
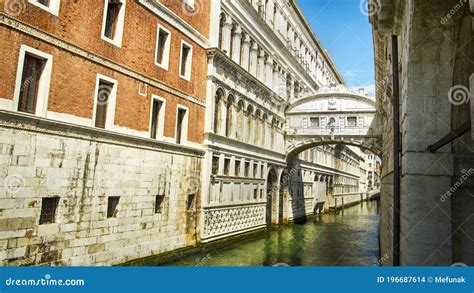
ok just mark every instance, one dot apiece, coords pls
pixel 345 32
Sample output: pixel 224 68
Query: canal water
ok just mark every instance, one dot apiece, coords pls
pixel 349 238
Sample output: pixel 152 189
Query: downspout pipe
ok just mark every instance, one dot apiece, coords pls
pixel 396 152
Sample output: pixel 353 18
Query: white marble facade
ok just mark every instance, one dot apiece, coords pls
pixel 262 57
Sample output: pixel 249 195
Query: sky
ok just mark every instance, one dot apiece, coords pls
pixel 345 32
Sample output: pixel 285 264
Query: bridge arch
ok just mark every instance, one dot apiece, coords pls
pixel 332 116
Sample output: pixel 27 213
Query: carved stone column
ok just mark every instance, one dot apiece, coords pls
pixel 269 71
pixel 236 43
pixel 244 62
pixel 253 59
pixel 226 35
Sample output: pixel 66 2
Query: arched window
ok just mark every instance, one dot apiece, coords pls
pixel 264 129
pixel 221 26
pixel 240 120
pixel 248 124
pixel 273 132
pixel 256 127
pixel 218 111
pixel 229 117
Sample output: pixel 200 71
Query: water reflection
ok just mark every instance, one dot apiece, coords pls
pixel 349 238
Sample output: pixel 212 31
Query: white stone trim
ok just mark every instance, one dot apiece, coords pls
pixel 44 83
pixel 184 126
pixel 170 17
pixel 161 119
pixel 53 7
pixel 92 57
pixel 117 39
pixel 166 52
pixel 189 61
pixel 112 98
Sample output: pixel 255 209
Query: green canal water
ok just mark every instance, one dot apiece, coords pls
pixel 349 238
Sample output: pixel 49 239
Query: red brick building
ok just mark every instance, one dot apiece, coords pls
pixel 102 109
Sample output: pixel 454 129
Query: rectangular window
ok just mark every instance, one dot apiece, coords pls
pixel 113 22
pixel 191 203
pixel 314 122
pixel 32 81
pixel 255 193
pixel 227 167
pixel 181 125
pixel 351 121
pixel 104 104
pixel 32 71
pixel 157 118
pixel 112 205
pixel 52 6
pixel 247 169
pixel 215 165
pixel 163 42
pixel 185 61
pixel 237 168
pixel 255 170
pixel 158 203
pixel 103 96
pixel 49 206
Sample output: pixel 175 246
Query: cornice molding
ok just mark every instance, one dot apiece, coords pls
pixel 31 31
pixel 174 20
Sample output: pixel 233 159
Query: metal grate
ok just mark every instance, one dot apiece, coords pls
pixel 48 210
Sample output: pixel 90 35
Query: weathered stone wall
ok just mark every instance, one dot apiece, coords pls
pixel 430 225
pixel 84 167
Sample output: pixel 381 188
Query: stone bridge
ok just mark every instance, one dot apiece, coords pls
pixel 332 116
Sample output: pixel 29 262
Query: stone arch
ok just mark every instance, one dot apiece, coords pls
pixel 240 120
pixel 248 123
pixel 264 128
pixel 257 127
pixel 229 131
pixel 218 110
pixel 272 190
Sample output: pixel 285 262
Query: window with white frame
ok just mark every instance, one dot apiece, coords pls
pixel 104 102
pixel 181 125
pixel 52 6
pixel 32 81
pixel 113 21
pixel 157 117
pixel 162 51
pixel 186 60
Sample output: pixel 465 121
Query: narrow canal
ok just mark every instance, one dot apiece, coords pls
pixel 349 238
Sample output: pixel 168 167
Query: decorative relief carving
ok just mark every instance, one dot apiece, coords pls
pixel 227 220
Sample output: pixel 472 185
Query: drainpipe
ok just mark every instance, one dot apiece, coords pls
pixel 396 153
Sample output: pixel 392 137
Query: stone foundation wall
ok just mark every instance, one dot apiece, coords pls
pixel 41 159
